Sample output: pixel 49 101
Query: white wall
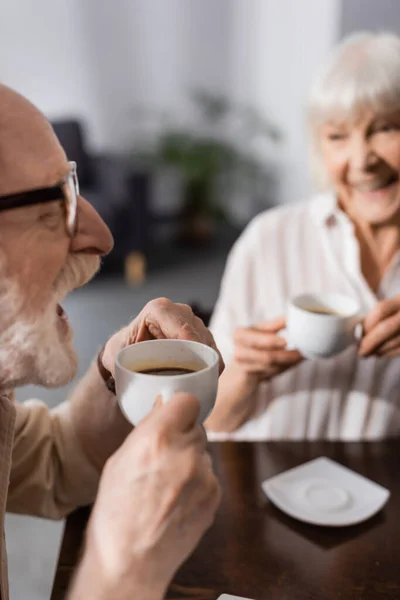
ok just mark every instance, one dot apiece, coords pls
pixel 42 55
pixel 279 44
pixel 370 15
pixel 265 52
pixel 151 52
pixel 98 59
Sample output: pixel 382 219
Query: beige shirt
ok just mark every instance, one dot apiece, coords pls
pixel 43 468
pixel 308 248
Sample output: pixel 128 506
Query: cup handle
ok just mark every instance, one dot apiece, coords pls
pixel 166 394
pixel 359 328
pixel 283 333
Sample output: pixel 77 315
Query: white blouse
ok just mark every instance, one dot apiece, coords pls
pixel 308 248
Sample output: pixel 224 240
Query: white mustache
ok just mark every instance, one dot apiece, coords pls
pixel 77 271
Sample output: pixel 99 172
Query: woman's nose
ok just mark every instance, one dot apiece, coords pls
pixel 92 234
pixel 362 155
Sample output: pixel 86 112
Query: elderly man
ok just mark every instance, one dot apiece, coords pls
pixel 157 493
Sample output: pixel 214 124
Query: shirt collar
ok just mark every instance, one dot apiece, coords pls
pixel 325 209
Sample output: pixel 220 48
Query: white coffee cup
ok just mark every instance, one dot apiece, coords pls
pixel 137 392
pixel 318 334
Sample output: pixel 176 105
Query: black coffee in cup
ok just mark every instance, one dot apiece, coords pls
pixel 322 310
pixel 165 370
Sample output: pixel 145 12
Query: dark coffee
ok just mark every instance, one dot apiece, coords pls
pixel 167 371
pixel 164 369
pixel 323 311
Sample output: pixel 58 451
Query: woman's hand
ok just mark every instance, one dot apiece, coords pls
pixel 260 350
pixel 260 354
pixel 381 336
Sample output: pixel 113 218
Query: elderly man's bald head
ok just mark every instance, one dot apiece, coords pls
pixel 41 257
pixel 30 154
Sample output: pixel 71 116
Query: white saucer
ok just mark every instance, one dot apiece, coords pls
pixel 322 492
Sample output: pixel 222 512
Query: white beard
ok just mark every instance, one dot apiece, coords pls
pixel 34 351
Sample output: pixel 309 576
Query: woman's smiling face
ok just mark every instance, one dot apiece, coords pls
pixel 362 159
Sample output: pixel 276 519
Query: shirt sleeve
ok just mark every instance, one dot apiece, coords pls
pixel 58 454
pixel 235 306
pixel 50 473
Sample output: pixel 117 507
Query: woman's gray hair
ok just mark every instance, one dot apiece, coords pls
pixel 362 72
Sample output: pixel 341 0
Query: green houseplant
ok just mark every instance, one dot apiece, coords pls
pixel 215 156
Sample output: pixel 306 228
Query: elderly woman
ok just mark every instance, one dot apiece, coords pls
pixel 345 240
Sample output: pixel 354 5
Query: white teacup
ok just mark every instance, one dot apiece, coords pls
pixel 137 391
pixel 322 325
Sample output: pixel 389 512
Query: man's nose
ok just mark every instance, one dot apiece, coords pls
pixel 92 234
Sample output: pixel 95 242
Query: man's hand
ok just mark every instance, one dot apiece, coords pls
pixel 382 330
pixel 160 319
pixel 98 421
pixel 158 495
pixel 261 351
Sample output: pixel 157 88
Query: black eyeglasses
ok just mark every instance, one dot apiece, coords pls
pixel 67 189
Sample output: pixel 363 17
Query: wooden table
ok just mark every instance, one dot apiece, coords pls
pixel 256 551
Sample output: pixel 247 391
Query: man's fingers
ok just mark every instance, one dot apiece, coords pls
pixel 158 402
pixel 211 342
pixel 190 333
pixel 164 319
pixel 197 437
pixel 174 320
pixel 198 332
pixel 180 413
pixel 200 499
pixel 380 312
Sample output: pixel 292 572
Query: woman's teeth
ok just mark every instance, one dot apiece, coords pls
pixel 377 185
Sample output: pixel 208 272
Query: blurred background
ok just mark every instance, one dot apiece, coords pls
pixel 186 119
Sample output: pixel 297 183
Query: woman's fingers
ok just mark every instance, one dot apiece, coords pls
pixel 262 360
pixel 383 332
pixel 381 312
pixel 390 347
pixel 257 339
pixel 273 326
